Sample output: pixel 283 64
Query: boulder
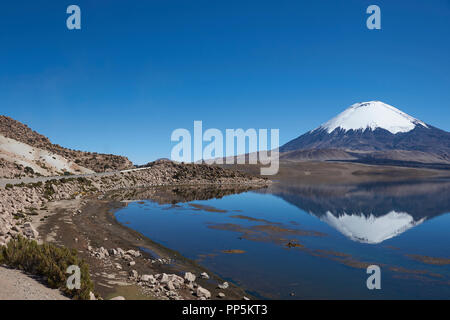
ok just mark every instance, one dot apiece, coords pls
pixel 224 285
pixel 3 229
pixel 164 278
pixel 189 277
pixel 134 274
pixel 127 257
pixel 170 286
pixel 133 253
pixel 148 278
pixel 29 231
pixel 104 252
pixel 203 293
pixel 176 280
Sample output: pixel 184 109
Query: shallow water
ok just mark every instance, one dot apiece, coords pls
pixel 297 242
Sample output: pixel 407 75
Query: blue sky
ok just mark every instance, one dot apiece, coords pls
pixel 137 70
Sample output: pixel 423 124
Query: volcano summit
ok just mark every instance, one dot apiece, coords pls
pixel 373 132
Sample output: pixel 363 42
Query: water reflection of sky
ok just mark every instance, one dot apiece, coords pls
pixel 323 262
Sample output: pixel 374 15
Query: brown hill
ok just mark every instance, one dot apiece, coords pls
pixel 97 162
pixel 316 155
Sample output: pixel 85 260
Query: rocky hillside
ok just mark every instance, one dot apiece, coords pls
pixel 20 159
pixel 97 162
pixel 10 170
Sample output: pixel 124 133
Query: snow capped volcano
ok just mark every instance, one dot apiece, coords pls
pixel 372 132
pixel 372 115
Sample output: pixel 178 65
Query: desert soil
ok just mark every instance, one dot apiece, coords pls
pixel 329 173
pixel 15 285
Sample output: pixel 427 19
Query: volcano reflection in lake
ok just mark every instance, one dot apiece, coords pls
pixel 297 241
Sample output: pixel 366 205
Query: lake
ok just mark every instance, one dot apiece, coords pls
pixel 310 241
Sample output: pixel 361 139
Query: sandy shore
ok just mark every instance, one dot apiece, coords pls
pixel 15 285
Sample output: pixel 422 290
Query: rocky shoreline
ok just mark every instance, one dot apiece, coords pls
pixel 55 206
pixel 123 262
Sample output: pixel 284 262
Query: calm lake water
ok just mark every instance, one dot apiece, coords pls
pixel 300 242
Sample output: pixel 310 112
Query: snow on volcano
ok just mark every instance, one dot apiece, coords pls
pixel 371 229
pixel 372 115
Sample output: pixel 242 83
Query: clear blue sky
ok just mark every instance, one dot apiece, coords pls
pixel 140 69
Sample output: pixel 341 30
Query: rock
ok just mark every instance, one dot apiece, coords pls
pixel 118 298
pixel 204 275
pixel 133 253
pixel 221 295
pixel 30 231
pixel 203 293
pixel 127 257
pixel 103 252
pixel 134 274
pixel 189 277
pixel 3 230
pixel 120 252
pixel 223 286
pixel 190 285
pixel 2 242
pixel 148 278
pixel 131 263
pixel 113 252
pixel 99 255
pixel 164 278
pixel 245 298
pixel 170 286
pixel 92 296
pixel 176 280
pixel 118 266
